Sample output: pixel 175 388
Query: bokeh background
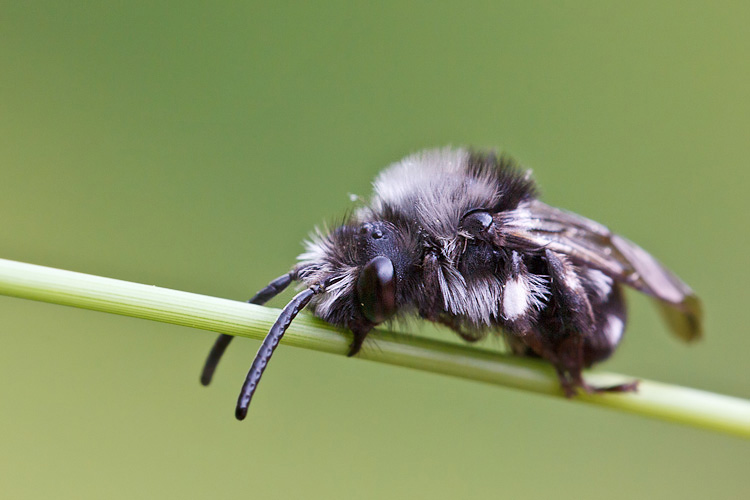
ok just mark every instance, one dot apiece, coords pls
pixel 193 145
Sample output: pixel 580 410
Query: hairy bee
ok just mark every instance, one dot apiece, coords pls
pixel 459 238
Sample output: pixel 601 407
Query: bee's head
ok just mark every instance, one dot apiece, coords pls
pixel 370 264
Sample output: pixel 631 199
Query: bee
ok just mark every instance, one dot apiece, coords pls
pixel 459 238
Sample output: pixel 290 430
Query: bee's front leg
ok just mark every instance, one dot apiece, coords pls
pixel 360 331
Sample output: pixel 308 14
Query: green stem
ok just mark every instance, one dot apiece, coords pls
pixel 667 402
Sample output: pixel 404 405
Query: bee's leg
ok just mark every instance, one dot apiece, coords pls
pixel 568 385
pixel 570 366
pixel 567 356
pixel 624 387
pixel 222 342
pixel 356 345
pixel 360 332
pixel 570 331
pixel 535 344
pixel 531 330
pixel 468 335
pixel 567 321
pixel 572 307
pixel 577 379
pixel 518 347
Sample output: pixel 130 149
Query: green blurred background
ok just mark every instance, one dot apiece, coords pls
pixel 193 145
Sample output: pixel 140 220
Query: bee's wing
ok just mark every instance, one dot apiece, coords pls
pixel 535 225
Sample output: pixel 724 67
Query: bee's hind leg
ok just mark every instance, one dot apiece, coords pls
pixel 575 354
pixel 567 361
pixel 569 355
pixel 571 359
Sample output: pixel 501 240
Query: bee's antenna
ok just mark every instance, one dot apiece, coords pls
pixel 269 345
pixel 222 342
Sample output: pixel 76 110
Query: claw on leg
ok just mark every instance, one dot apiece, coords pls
pixel 571 382
pixel 626 387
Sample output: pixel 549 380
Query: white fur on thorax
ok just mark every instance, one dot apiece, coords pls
pixel 515 299
pixel 522 294
pixel 433 187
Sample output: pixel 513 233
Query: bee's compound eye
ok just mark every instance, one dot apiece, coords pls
pixel 476 222
pixel 376 289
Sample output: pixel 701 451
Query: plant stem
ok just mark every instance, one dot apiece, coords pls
pixel 667 402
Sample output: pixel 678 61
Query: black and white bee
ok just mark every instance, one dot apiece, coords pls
pixel 460 238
